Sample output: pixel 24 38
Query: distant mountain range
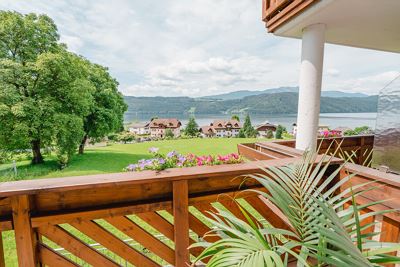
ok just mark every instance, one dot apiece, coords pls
pixel 244 93
pixel 271 101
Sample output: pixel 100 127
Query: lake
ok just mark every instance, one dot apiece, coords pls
pixel 332 120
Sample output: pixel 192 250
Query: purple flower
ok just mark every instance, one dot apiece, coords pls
pixel 153 149
pixel 132 167
pixel 161 161
pixel 181 159
pixel 171 154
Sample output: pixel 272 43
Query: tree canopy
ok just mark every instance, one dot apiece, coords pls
pixel 106 113
pixel 49 97
pixel 247 130
pixel 280 130
pixel 192 128
pixel 235 117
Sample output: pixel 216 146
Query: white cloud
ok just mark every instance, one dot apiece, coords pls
pixel 370 84
pixel 332 72
pixel 197 47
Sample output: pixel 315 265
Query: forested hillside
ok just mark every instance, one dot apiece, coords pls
pixel 276 103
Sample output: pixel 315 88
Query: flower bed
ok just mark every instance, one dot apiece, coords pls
pixel 174 159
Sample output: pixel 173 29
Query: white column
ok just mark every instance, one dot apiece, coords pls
pixel 312 57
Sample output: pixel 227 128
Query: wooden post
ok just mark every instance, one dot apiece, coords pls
pixel 24 236
pixel 362 151
pixel 2 261
pixel 181 222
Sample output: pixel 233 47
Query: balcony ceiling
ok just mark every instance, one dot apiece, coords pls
pixel 359 23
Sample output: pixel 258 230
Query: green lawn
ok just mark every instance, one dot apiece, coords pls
pixel 115 157
pixel 109 159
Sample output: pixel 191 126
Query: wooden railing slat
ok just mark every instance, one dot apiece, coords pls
pixel 114 244
pixel 200 228
pixel 390 231
pixel 159 223
pixel 51 258
pixel 66 240
pixel 24 236
pixel 134 231
pixel 181 222
pixel 269 212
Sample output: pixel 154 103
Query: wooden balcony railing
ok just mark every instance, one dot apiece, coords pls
pixel 142 219
pixel 277 12
pixel 149 218
pixel 357 147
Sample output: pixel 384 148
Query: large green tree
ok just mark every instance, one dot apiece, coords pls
pixel 192 128
pixel 42 104
pixel 106 113
pixel 248 129
pixel 44 90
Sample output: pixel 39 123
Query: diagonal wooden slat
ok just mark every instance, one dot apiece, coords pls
pixel 51 258
pixel 159 223
pixel 367 221
pixel 233 207
pixel 205 208
pixel 269 212
pixel 66 240
pixel 134 231
pixel 114 244
pixel 390 232
pixel 200 228
pixel 194 251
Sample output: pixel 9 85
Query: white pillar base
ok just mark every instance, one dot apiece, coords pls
pixel 312 56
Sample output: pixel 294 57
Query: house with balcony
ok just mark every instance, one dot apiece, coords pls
pixel 175 203
pixel 158 127
pixel 221 128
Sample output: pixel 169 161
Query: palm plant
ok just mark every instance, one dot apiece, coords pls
pixel 323 232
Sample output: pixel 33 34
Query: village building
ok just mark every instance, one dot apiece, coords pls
pixel 264 128
pixel 207 131
pixel 139 128
pixel 158 127
pixel 221 128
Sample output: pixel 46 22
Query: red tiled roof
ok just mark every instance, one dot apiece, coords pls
pixel 218 124
pixel 165 123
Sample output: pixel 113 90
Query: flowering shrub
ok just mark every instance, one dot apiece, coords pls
pixel 174 159
pixel 330 133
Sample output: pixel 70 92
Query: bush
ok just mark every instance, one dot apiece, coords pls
pixel 169 134
pixel 280 130
pixel 126 137
pixel 270 134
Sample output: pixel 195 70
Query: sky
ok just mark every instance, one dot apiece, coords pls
pixel 199 47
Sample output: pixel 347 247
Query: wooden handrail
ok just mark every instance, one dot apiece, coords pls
pixel 32 187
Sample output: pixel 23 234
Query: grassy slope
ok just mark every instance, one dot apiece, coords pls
pixel 111 159
pixel 115 157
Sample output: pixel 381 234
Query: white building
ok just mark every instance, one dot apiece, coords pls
pixel 158 127
pixel 139 128
pixel 221 128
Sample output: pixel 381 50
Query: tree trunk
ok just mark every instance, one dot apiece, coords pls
pixel 37 155
pixel 82 145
